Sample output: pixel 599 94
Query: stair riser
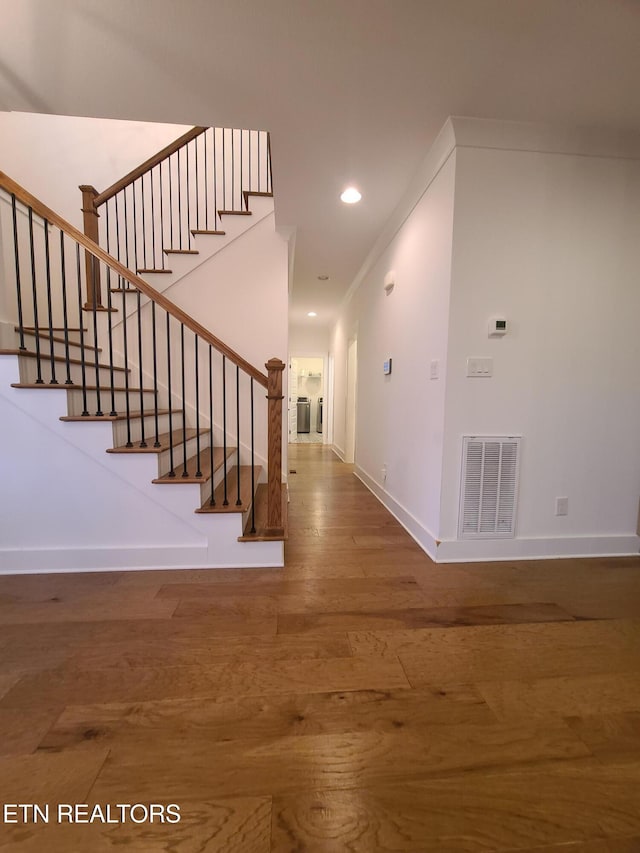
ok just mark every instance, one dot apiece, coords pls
pixel 205 488
pixel 75 402
pixel 75 351
pixel 29 373
pixel 164 458
pixel 120 428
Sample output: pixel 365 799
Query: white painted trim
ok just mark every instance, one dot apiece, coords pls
pixel 481 551
pixel 474 551
pixel 65 559
pixel 544 138
pixel 338 451
pixel 423 537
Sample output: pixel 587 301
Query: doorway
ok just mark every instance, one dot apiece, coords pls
pixel 307 410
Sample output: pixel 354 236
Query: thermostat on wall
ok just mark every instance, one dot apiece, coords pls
pixel 386 367
pixel 497 327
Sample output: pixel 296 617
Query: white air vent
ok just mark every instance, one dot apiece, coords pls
pixel 489 487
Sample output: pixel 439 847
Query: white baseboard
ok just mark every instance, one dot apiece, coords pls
pixel 495 550
pixel 338 451
pixel 425 539
pixel 57 560
pixel 483 550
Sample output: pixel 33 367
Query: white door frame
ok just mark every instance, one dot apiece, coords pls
pixel 351 395
pixel 327 402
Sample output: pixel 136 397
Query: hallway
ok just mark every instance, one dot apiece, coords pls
pixel 360 699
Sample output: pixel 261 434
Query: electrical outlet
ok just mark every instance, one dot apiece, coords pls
pixel 384 474
pixel 435 368
pixel 562 506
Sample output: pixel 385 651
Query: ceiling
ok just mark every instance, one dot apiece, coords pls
pixel 353 91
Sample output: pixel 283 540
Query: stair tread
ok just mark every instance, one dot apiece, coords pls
pixel 122 416
pixel 202 231
pixel 232 491
pixel 205 467
pixel 25 353
pixel 235 213
pixel 123 289
pixel 55 328
pixel 246 193
pixel 44 334
pixel 163 440
pixel 261 507
pixel 76 386
pixel 181 251
pixel 165 272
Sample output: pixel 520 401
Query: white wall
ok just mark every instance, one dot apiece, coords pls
pixel 541 226
pixel 308 339
pixel 76 507
pixel 400 417
pixel 52 155
pixel 552 241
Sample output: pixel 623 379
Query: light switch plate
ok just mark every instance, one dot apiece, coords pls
pixel 435 369
pixel 478 366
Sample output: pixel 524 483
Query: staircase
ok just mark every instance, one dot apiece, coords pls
pixel 99 357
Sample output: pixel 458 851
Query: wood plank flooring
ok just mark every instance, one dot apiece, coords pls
pixel 361 699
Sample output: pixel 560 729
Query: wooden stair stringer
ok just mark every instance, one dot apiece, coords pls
pixel 185 262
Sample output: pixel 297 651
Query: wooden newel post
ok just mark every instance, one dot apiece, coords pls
pixel 275 367
pixel 90 217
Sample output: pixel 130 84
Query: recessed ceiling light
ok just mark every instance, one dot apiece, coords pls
pixel 312 314
pixel 351 195
pixel 323 278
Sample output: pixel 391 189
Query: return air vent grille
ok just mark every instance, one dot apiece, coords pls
pixel 489 488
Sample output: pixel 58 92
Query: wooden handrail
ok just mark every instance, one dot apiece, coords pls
pixel 148 165
pixel 12 187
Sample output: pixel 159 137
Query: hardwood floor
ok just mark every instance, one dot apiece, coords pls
pixel 361 699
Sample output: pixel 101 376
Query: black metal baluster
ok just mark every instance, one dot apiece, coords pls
pixel 185 473
pixel 65 313
pixel 197 188
pixel 118 253
pixel 144 225
pixel 161 221
pixel 113 411
pixel 225 502
pixel 239 500
pixel 186 154
pixel 143 442
pixel 39 379
pixel 156 443
pixel 172 472
pixel 126 239
pixel 198 470
pixel 47 267
pixel 215 183
pixel 85 409
pixel 153 223
pixel 212 499
pixel 233 171
pixel 135 230
pixel 253 468
pixel 16 249
pixel 170 207
pixel 94 273
pixel 125 347
pixel 206 183
pixel 224 169
pixel 179 202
